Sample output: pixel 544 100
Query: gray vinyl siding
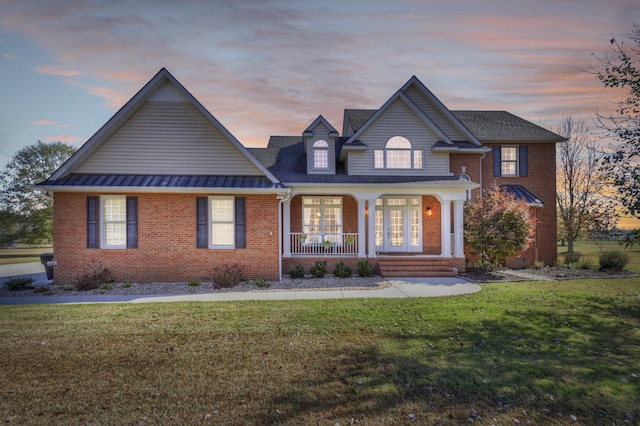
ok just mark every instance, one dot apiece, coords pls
pixel 321 132
pixel 430 111
pixel 398 120
pixel 169 137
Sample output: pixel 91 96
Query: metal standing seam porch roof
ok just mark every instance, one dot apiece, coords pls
pixel 522 193
pixel 161 181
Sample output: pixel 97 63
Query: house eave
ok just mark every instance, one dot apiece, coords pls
pixel 158 190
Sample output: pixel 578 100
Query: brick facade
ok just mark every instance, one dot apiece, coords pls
pixel 541 180
pixel 166 241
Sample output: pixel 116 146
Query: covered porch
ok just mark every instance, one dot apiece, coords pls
pixel 419 231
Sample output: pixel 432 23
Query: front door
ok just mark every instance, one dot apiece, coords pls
pixel 398 224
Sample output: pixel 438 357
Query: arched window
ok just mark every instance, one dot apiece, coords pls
pixel 320 154
pixel 398 155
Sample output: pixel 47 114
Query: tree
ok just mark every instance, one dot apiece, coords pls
pixel 622 163
pixel 582 209
pixel 497 226
pixel 30 211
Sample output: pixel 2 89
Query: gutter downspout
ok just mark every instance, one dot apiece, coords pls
pixel 481 158
pixel 282 197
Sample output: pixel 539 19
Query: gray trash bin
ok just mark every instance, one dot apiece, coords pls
pixel 47 260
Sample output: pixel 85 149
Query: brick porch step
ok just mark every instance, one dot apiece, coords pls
pixel 415 267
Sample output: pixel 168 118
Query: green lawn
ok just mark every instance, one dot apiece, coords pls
pixel 514 353
pixel 22 254
pixel 592 249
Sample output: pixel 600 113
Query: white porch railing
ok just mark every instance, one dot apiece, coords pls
pixel 324 244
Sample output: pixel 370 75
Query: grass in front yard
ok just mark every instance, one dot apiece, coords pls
pixel 513 353
pixel 22 255
pixel 593 248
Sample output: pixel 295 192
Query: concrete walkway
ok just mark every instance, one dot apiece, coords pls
pixel 399 288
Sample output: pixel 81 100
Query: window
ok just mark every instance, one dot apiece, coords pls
pixel 510 160
pixel 112 222
pixel 220 222
pixel 398 155
pixel 320 154
pixel 322 219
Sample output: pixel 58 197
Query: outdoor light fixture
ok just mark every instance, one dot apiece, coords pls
pixel 429 212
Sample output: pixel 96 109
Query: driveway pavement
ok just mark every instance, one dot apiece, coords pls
pixel 399 288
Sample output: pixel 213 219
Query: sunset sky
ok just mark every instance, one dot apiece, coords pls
pixel 269 67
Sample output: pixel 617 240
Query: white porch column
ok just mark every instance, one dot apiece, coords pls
pixel 445 227
pixel 458 227
pixel 286 228
pixel 362 247
pixel 372 229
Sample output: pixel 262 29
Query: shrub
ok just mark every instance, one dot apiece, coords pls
pixel 586 263
pixel 342 270
pixel 227 276
pixel 261 282
pixel 613 260
pixel 127 284
pixel 94 278
pixel 297 272
pixel 105 287
pixel 365 269
pixel 571 258
pixel 194 283
pixel 319 270
pixel 19 283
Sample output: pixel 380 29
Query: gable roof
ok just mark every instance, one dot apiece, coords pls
pixel 309 130
pixel 496 126
pixel 131 107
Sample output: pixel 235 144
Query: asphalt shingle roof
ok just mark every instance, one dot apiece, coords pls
pixel 504 126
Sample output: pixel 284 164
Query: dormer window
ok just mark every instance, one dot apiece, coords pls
pixel 398 155
pixel 320 154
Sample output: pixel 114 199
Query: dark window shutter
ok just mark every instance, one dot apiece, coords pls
pixel 93 214
pixel 240 219
pixel 497 160
pixel 132 222
pixel 201 222
pixel 524 161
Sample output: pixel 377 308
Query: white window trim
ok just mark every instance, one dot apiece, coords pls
pixel 322 213
pixel 516 161
pixel 210 223
pixel 381 157
pixel 321 146
pixel 103 227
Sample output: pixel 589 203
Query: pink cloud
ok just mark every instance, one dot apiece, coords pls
pixel 64 138
pixel 57 71
pixel 43 123
pixel 8 56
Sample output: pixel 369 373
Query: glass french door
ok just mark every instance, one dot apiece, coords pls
pixel 398 224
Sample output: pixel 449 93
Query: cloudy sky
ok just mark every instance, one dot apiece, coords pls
pixel 269 67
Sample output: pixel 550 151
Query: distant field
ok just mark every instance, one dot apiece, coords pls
pixel 22 255
pixel 592 249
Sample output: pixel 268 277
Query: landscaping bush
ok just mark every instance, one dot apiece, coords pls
pixel 261 282
pixel 96 277
pixel 365 269
pixel 613 260
pixel 586 263
pixel 342 270
pixel 19 283
pixel 571 258
pixel 227 276
pixel 319 270
pixel 297 272
pixel 194 283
